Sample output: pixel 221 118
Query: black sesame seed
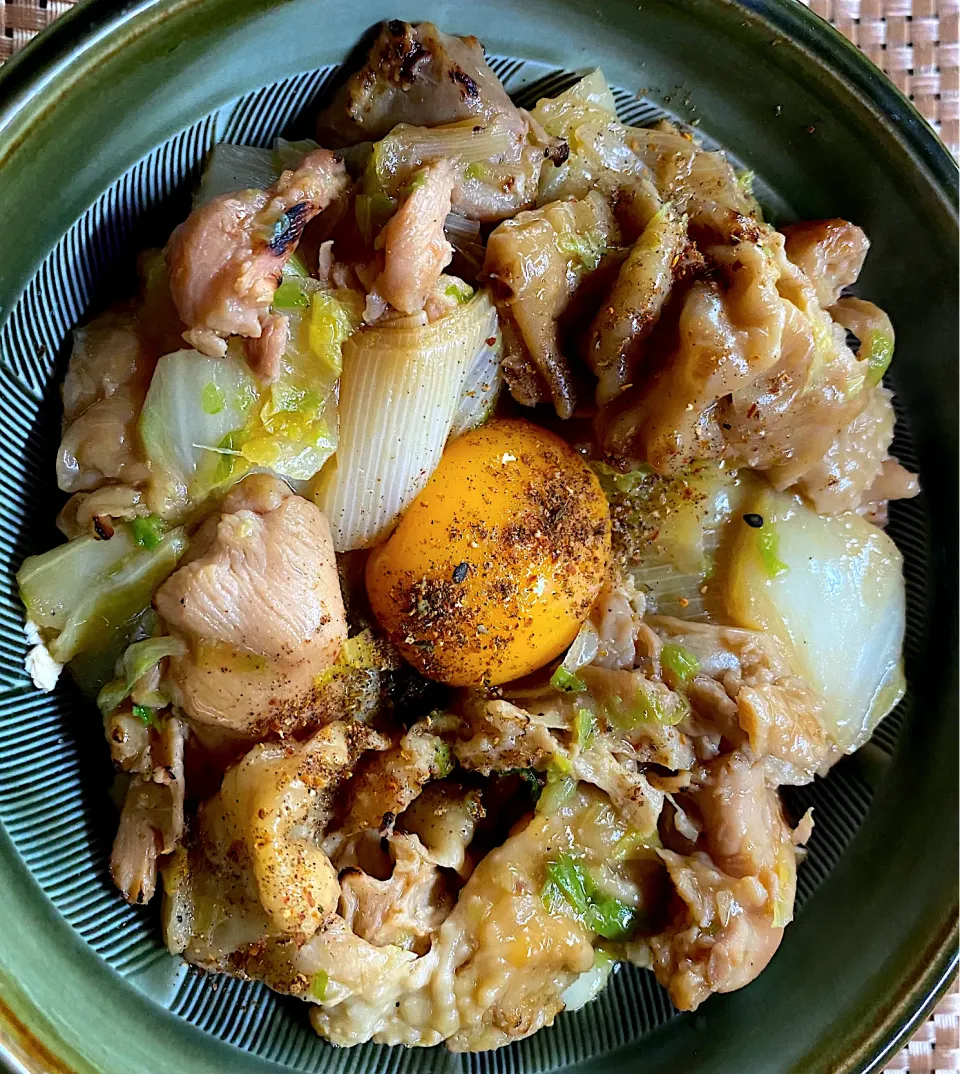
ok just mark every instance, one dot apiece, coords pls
pixel 756 521
pixel 460 572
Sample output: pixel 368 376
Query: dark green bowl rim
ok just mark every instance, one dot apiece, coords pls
pixel 91 24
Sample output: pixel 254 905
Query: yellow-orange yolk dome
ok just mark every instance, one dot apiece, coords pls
pixel 497 562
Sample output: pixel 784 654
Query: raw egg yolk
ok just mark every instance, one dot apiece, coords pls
pixel 497 562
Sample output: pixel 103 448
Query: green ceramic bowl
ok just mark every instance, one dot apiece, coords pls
pixel 103 123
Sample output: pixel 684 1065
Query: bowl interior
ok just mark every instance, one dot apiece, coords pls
pixel 875 895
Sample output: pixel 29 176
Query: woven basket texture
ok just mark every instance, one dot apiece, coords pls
pixel 917 44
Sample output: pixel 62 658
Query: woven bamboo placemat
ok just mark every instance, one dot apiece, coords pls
pixel 917 43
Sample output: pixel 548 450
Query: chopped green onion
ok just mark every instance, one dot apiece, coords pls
pixel 568 881
pixel 461 294
pixel 768 544
pixel 361 651
pixel 585 729
pixel 289 296
pixel 211 399
pixel 681 664
pixel 583 250
pixel 566 681
pixel 647 706
pixel 474 171
pixel 530 777
pixel 443 761
pixel 559 789
pixel 318 985
pixel 146 715
pixel 148 532
pixel 879 354
pixel 416 183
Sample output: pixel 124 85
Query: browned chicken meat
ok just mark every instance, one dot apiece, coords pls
pixel 735 893
pixel 107 379
pixel 417 74
pixel 415 249
pixel 830 252
pixel 254 867
pixel 760 374
pixel 630 312
pixel 535 263
pixel 226 259
pixel 258 604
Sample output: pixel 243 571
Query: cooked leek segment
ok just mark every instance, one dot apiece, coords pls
pixel 399 392
pixel 229 168
pixel 193 417
pixel 483 382
pixel 835 597
pixel 407 148
pixel 674 527
pixel 234 167
pixel 84 592
pixel 589 99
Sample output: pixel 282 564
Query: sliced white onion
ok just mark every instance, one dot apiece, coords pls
pixel 399 391
pixel 832 590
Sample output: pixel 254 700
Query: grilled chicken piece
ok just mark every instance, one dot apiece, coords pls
pixel 151 821
pixel 226 258
pixel 745 688
pixel 444 817
pixel 855 461
pixel 697 182
pixel 414 73
pixel 760 374
pixel 736 891
pixel 407 908
pixel 535 263
pixel 415 248
pixel 633 307
pixel 258 603
pixel 254 866
pixel 388 782
pixel 830 252
pixel 107 379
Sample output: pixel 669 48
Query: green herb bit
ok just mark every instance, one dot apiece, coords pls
pixel 443 761
pixel 146 715
pixel 530 777
pixel 768 546
pixel 148 532
pixel 211 398
pixel 474 171
pixel 318 985
pixel 566 681
pixel 879 355
pixel 585 250
pixel 585 729
pixel 461 294
pixel 559 788
pixel 569 881
pixel 680 664
pixel 416 183
pixel 290 296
